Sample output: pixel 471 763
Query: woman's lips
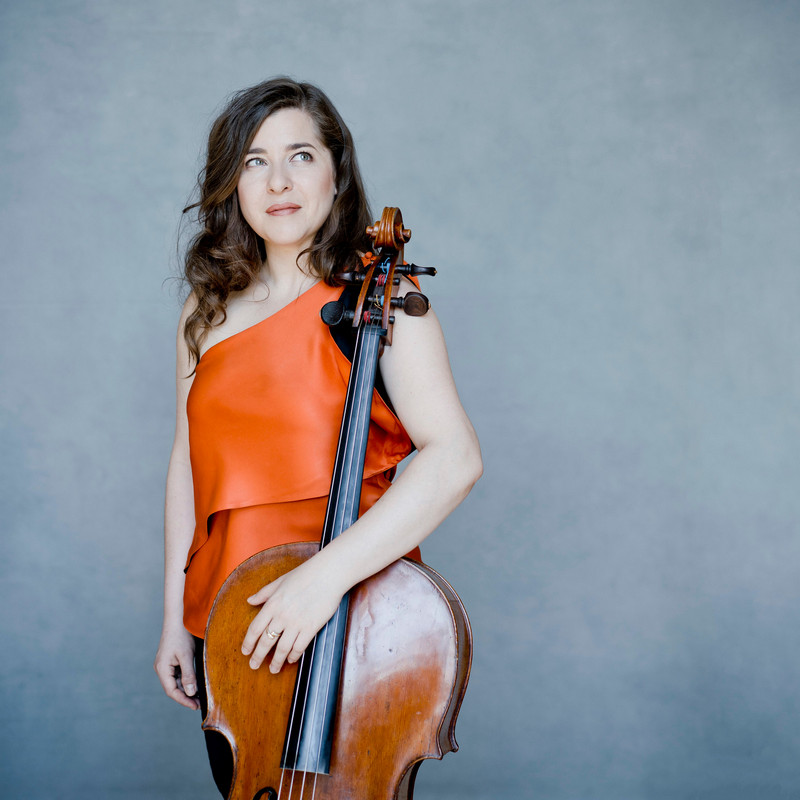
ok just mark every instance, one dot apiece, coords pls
pixel 281 209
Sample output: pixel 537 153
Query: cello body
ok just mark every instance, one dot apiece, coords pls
pixel 405 671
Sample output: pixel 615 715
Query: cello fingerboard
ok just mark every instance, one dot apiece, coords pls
pixel 309 732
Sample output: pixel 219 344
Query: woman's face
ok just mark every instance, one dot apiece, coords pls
pixel 287 184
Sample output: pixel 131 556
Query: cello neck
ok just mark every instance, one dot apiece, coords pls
pixel 348 470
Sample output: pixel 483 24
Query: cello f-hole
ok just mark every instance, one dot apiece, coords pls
pixel 267 793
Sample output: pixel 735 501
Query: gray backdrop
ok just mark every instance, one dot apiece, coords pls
pixel 610 191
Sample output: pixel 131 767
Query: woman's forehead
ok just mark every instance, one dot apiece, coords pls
pixel 288 126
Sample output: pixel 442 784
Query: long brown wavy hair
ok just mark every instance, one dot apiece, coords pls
pixel 226 255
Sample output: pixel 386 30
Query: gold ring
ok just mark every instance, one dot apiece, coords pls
pixel 273 634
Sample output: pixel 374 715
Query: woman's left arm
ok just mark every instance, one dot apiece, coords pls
pixel 417 374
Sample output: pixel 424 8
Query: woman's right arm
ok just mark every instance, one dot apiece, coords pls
pixel 174 662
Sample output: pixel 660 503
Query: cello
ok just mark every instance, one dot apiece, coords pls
pixel 379 688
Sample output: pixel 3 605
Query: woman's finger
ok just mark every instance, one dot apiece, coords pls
pixel 187 678
pixel 257 628
pixel 270 637
pixel 301 644
pixel 170 676
pixel 284 650
pixel 179 695
pixel 264 593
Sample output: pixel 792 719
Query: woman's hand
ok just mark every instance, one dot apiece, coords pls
pixel 296 606
pixel 174 666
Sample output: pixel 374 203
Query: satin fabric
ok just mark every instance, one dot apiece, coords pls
pixel 264 414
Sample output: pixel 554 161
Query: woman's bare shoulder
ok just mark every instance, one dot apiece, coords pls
pixel 189 305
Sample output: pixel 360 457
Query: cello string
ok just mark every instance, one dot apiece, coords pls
pixel 329 512
pixel 320 643
pixel 345 498
pixel 363 388
pixel 304 703
pixel 363 392
pixel 291 721
pixel 344 510
pixel 289 728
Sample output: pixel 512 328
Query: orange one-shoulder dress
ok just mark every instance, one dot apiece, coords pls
pixel 264 413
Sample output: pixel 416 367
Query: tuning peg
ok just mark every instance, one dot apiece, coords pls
pixel 415 269
pixel 334 312
pixel 352 276
pixel 414 304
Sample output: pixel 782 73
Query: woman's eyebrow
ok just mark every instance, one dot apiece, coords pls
pixel 294 146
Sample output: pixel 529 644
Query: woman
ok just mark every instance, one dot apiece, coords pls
pixel 282 209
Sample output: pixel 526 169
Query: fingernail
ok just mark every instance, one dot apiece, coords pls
pixel 253 664
pixel 190 688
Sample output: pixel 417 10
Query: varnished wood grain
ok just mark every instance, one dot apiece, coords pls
pixel 405 672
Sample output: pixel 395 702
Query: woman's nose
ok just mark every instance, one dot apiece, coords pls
pixel 278 180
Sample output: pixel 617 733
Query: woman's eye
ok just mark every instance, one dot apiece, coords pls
pixel 302 156
pixel 254 162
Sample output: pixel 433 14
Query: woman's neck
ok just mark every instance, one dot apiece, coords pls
pixel 284 272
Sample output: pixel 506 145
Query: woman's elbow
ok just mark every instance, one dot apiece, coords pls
pixel 476 464
pixel 470 462
pixel 455 462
